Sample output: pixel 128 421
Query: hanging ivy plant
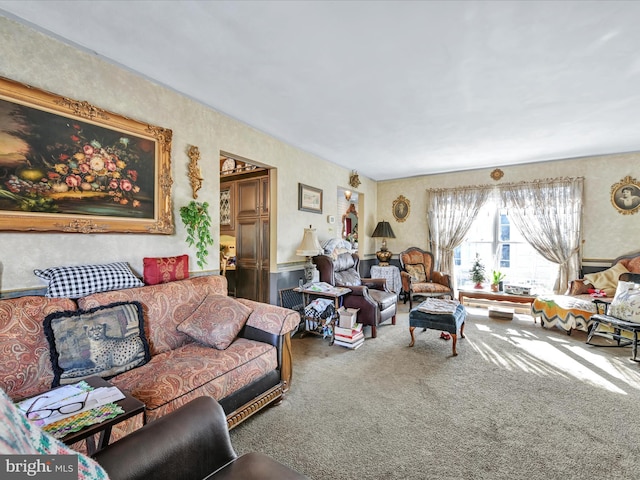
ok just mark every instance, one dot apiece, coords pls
pixel 197 221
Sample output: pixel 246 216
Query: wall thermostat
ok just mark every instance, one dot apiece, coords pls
pixel 331 219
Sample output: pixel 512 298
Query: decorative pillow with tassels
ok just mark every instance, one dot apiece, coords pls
pixel 102 341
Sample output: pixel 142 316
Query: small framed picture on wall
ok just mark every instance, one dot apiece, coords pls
pixel 309 199
pixel 625 196
pixel 401 208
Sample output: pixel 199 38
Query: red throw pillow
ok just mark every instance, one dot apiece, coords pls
pixel 165 269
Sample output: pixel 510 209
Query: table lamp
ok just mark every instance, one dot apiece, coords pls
pixel 383 230
pixel 308 248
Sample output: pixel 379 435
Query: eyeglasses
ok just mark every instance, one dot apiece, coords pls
pixel 42 413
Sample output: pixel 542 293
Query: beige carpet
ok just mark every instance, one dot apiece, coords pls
pixel 518 402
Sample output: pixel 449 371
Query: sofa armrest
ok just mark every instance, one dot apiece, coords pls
pixel 188 443
pixel 357 290
pixel 360 298
pixel 271 318
pixel 272 324
pixel 375 283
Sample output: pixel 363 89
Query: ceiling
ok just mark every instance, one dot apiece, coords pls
pixel 392 89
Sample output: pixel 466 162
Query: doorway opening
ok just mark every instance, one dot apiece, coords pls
pixel 245 226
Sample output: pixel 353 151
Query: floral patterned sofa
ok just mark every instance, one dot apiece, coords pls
pixel 251 373
pixel 574 309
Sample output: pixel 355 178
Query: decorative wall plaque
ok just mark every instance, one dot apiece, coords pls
pixel 497 174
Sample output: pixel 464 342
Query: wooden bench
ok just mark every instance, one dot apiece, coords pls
pixel 617 324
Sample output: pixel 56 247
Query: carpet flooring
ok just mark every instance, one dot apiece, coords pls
pixel 518 402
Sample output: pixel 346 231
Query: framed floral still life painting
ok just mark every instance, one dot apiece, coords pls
pixel 68 166
pixel 625 196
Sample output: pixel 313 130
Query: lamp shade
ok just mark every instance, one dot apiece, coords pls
pixel 310 245
pixel 383 229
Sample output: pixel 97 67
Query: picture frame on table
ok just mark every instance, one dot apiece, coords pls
pixel 625 196
pixel 69 166
pixel 309 199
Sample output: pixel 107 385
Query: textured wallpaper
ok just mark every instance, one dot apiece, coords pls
pixel 35 59
pixel 606 232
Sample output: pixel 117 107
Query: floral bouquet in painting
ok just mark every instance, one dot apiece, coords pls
pixel 74 167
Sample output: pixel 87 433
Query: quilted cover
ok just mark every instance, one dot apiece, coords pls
pixel 565 311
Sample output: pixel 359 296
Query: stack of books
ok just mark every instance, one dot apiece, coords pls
pixel 349 337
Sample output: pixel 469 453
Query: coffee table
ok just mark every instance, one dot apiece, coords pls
pixel 482 294
pixel 131 406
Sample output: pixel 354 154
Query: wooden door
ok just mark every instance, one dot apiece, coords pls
pixel 252 234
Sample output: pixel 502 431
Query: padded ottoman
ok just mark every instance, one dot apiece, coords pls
pixel 447 322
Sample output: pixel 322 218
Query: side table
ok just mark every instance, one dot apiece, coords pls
pixel 336 294
pixel 131 406
pixel 390 273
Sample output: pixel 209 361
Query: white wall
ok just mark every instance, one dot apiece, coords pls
pixel 35 59
pixel 607 233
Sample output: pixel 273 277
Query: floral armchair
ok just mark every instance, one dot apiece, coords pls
pixel 419 278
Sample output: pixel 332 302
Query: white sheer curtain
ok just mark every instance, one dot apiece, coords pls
pixel 450 213
pixel 548 213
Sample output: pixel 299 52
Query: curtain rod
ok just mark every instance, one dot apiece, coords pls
pixel 510 184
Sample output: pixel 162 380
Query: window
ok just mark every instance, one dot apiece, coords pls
pixel 502 247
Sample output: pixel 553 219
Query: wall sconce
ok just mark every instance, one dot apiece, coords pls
pixel 347 195
pixel 309 247
pixel 194 171
pixel 354 179
pixel 383 230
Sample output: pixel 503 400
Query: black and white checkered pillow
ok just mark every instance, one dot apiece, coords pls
pixel 82 280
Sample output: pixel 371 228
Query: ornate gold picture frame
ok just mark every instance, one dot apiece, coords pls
pixel 625 196
pixel 401 208
pixel 68 166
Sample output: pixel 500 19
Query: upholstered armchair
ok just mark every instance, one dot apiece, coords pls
pixel 377 304
pixel 418 277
